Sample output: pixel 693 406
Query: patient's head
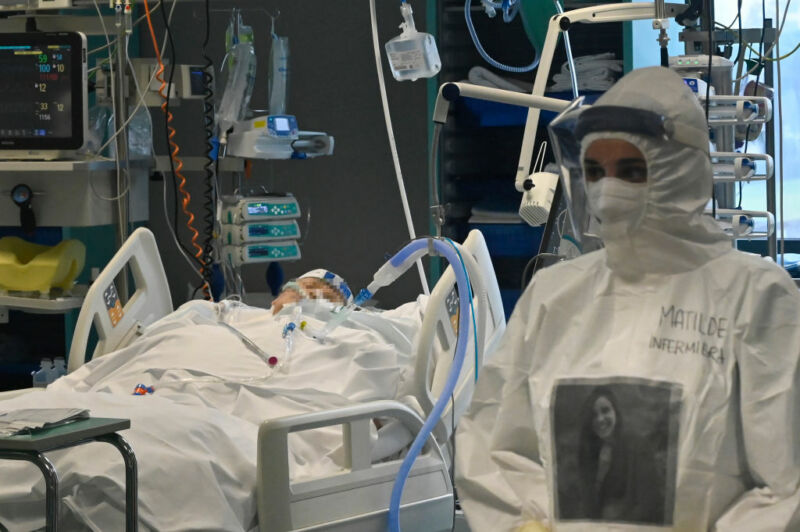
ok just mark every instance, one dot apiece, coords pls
pixel 316 284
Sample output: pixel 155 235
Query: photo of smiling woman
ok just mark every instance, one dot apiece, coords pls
pixel 612 452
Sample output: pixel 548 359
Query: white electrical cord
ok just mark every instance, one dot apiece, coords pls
pixel 119 130
pixel 105 198
pixel 119 195
pixel 392 144
pixel 142 96
pixel 192 266
pixel 122 223
pixel 172 231
pixel 135 23
pixel 113 81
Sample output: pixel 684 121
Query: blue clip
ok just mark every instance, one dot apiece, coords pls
pixel 289 327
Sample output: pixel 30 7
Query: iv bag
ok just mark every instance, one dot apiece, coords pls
pixel 278 75
pixel 412 54
pixel 238 88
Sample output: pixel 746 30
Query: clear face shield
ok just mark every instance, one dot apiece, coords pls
pixel 567 151
pixel 567 131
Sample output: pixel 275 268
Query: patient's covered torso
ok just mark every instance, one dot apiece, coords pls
pixel 195 435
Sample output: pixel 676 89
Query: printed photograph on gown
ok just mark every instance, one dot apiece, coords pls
pixel 615 450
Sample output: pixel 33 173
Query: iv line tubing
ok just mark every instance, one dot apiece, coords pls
pixel 486 57
pixel 141 98
pixel 121 230
pixel 768 50
pixel 392 144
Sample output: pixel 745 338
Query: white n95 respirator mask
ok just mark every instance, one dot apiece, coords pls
pixel 615 201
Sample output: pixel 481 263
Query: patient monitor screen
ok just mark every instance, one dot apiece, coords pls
pixel 37 90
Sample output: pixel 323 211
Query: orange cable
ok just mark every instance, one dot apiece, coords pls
pixel 174 145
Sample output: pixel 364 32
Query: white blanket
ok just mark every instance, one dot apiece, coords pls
pixel 195 437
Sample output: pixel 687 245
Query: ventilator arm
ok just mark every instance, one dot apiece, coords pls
pixel 499 475
pixel 770 409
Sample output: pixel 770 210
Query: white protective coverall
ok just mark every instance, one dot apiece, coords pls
pixel 693 344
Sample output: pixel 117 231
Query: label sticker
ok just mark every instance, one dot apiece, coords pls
pixel 411 60
pixel 114 307
pixel 452 305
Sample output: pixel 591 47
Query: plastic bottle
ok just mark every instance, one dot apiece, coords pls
pixel 59 368
pixel 40 377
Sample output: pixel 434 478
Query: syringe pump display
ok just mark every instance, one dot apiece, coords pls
pixel 274 207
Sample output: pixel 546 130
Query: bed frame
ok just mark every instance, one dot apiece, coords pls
pixel 115 323
pixel 357 499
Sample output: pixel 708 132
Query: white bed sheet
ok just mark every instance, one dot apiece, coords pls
pixel 195 437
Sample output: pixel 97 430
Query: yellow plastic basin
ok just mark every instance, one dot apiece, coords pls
pixel 29 267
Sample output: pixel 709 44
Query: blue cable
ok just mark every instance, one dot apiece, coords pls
pixel 494 5
pixel 507 17
pixel 452 377
pixel 508 7
pixel 471 305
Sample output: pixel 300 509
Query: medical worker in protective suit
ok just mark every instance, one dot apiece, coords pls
pixel 652 384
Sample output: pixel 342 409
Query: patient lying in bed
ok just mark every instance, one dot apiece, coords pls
pixel 195 436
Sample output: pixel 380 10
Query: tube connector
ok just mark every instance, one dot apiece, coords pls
pixel 431 248
pixel 128 15
pixel 363 296
pixel 118 14
pixel 408 17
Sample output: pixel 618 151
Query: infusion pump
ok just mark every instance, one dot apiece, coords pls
pixel 260 229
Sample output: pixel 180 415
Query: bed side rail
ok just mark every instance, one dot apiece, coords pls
pixel 436 342
pixel 358 498
pixel 115 324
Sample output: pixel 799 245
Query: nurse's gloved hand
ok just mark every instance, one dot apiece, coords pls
pixel 533 526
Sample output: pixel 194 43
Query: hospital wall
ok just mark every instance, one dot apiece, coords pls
pixel 356 213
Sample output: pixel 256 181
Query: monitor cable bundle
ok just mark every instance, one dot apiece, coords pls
pixel 175 163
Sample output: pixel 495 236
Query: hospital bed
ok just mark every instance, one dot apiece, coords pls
pixel 358 498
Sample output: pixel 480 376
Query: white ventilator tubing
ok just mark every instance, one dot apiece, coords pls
pixel 392 145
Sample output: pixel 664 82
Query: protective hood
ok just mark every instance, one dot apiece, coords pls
pixel 673 235
pixel 663 402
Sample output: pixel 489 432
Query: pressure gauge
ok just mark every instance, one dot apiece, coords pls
pixel 21 195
